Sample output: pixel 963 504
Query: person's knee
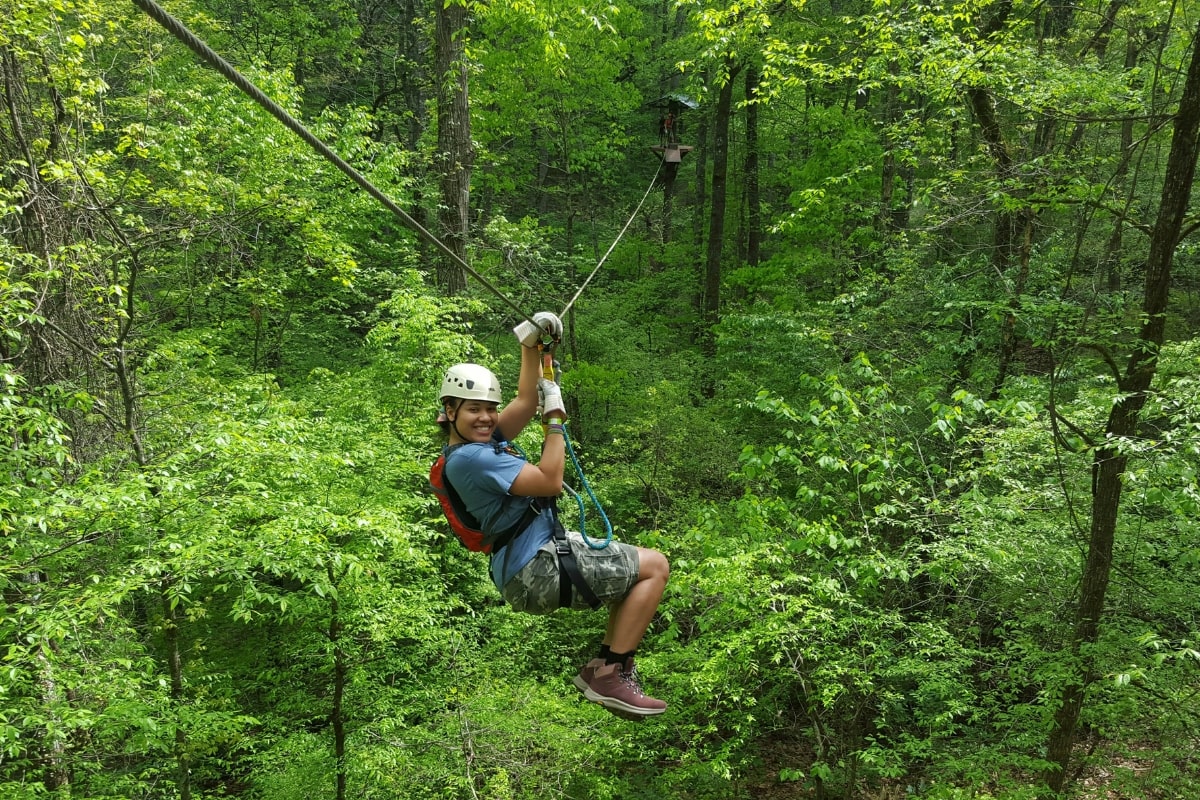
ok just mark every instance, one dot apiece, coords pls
pixel 654 565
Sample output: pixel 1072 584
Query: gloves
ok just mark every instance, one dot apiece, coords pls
pixel 550 399
pixel 548 324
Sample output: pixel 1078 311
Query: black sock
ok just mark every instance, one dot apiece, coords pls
pixel 614 657
pixel 605 652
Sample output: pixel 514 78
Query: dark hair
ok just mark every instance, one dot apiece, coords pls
pixel 445 424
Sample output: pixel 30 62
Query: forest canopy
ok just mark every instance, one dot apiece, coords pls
pixel 888 341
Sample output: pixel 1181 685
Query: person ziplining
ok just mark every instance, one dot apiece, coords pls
pixel 537 566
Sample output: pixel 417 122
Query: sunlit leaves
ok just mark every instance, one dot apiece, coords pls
pixel 552 79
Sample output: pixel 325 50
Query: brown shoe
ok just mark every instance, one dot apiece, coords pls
pixel 616 687
pixel 584 678
pixel 586 673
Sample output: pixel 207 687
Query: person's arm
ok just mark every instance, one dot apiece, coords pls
pixel 520 410
pixel 545 478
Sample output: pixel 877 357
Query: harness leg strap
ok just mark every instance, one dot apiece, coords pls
pixel 568 572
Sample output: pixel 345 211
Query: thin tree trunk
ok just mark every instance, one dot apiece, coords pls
pixel 337 713
pixel 456 157
pixel 58 777
pixel 413 80
pixel 668 202
pixel 753 201
pixel 701 176
pixel 1111 262
pixel 887 189
pixel 415 120
pixel 1013 235
pixel 1109 462
pixel 711 299
pixel 183 767
pixel 1013 232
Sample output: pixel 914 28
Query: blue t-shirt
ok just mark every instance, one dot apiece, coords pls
pixel 482 474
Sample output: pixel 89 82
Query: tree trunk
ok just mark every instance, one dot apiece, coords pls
pixel 1111 262
pixel 1013 235
pixel 1108 465
pixel 711 299
pixel 668 203
pixel 183 767
pixel 455 155
pixel 753 201
pixel 701 160
pixel 337 714
pixel 891 218
pixel 414 119
pixel 413 79
pixel 58 777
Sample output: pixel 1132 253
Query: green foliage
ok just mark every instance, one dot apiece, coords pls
pixel 574 108
pixel 495 737
pixel 314 40
pixel 835 169
pixel 219 362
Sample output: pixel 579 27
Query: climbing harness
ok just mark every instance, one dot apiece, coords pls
pixel 463 522
pixel 475 539
pixel 568 572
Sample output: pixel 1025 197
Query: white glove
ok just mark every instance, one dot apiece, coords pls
pixel 550 399
pixel 548 324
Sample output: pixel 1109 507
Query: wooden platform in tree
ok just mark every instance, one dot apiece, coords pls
pixel 672 153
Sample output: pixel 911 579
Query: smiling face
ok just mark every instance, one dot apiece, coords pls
pixel 472 420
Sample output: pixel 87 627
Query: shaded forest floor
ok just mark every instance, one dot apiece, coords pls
pixel 1109 777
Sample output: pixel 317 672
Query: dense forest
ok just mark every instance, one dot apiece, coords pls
pixel 889 344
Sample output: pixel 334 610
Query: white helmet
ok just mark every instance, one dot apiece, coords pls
pixel 471 382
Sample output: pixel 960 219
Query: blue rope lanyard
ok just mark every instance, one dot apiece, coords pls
pixel 587 487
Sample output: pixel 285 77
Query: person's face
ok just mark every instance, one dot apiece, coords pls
pixel 473 420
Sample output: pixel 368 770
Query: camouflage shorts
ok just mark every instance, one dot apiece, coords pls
pixel 611 572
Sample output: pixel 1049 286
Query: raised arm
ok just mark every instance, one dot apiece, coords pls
pixel 543 479
pixel 520 410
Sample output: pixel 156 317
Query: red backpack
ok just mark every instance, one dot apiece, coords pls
pixel 467 529
pixel 463 523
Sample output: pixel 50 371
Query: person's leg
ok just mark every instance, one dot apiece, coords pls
pixel 653 572
pixel 629 618
pixel 614 684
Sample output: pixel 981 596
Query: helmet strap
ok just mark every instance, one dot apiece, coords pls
pixel 454 420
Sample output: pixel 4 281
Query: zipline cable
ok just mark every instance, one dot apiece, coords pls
pixel 196 45
pixel 181 32
pixel 614 244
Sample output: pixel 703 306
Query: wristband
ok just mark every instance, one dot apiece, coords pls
pixel 556 428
